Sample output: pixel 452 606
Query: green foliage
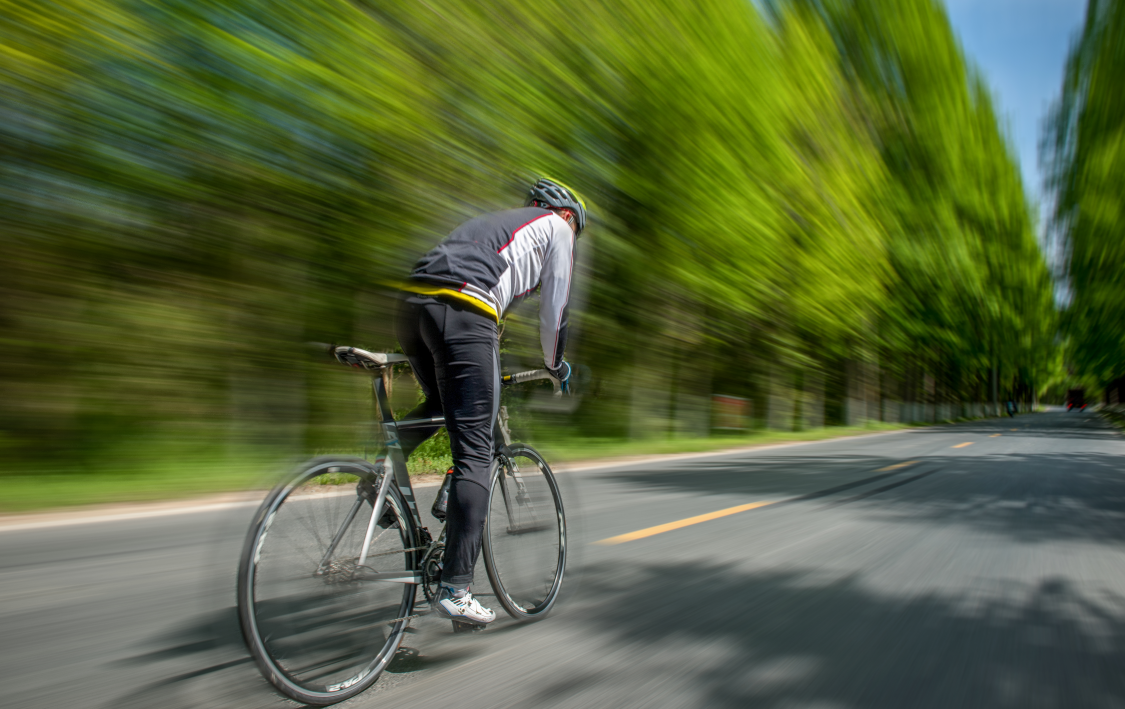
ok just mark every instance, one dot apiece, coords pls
pixel 1086 150
pixel 191 188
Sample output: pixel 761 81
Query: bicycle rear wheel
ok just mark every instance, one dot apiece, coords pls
pixel 525 534
pixel 320 625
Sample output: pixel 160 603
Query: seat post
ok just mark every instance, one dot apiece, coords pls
pixel 505 432
pixel 379 394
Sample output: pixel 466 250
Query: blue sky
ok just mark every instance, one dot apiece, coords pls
pixel 1021 48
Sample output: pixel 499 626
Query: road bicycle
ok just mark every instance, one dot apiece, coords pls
pixel 329 573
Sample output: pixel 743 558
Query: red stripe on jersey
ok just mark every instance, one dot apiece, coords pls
pixel 521 226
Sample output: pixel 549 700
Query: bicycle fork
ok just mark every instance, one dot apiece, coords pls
pixel 508 467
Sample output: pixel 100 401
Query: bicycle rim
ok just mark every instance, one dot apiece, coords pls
pixel 318 630
pixel 525 535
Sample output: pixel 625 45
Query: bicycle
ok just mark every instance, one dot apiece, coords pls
pixel 325 593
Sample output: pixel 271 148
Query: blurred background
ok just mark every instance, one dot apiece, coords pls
pixel 806 214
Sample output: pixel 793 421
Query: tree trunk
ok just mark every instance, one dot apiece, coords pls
pixel 651 396
pixel 693 398
pixel 857 386
pixel 995 391
pixel 812 400
pixel 781 395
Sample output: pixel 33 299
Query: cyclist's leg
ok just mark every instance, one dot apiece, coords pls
pixel 467 366
pixel 411 319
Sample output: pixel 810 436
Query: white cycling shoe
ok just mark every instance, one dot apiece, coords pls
pixel 465 609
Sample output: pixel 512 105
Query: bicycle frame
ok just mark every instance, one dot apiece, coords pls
pixel 395 468
pixel 281 584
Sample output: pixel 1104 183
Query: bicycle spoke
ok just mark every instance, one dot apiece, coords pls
pixel 525 543
pixel 340 534
pixel 322 618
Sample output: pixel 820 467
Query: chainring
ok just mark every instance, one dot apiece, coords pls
pixel 431 571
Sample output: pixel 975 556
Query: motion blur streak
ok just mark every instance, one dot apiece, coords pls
pixel 896 466
pixel 992 583
pixel 804 214
pixel 808 208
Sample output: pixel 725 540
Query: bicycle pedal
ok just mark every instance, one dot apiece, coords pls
pixel 461 627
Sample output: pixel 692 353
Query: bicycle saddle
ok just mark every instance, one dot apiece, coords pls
pixel 355 357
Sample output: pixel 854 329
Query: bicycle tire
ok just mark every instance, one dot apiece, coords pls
pixel 324 634
pixel 525 534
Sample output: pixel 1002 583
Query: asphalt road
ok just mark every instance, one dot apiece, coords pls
pixel 981 575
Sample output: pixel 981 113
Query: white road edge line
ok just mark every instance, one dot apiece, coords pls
pixel 90 517
pixel 87 517
pixel 673 457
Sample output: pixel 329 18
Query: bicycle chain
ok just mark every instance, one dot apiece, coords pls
pixel 405 617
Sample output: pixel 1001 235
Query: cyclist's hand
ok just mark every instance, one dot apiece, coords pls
pixel 562 376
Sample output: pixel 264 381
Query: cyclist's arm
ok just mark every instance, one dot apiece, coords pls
pixel 554 294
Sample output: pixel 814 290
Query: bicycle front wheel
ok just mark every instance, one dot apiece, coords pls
pixel 525 534
pixel 321 614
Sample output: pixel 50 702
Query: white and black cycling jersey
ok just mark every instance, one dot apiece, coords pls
pixel 498 258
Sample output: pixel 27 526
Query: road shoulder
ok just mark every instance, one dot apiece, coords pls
pixel 113 512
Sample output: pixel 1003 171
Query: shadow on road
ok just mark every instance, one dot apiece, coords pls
pixel 699 634
pixel 1030 496
pixel 225 674
pixel 1033 497
pixel 793 639
pixel 1083 425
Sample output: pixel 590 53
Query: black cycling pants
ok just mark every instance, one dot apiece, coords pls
pixel 453 352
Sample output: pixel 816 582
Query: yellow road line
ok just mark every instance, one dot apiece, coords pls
pixel 659 529
pixel 679 524
pixel 896 466
pixel 962 445
pixel 994 435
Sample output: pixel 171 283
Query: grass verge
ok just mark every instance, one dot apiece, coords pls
pixel 1115 415
pixel 186 477
pixel 582 449
pixel 160 480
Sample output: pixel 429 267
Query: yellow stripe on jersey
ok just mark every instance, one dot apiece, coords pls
pixel 478 305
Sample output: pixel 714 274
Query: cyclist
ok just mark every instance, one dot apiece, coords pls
pixel 447 325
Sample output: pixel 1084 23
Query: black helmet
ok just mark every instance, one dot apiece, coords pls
pixel 554 194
